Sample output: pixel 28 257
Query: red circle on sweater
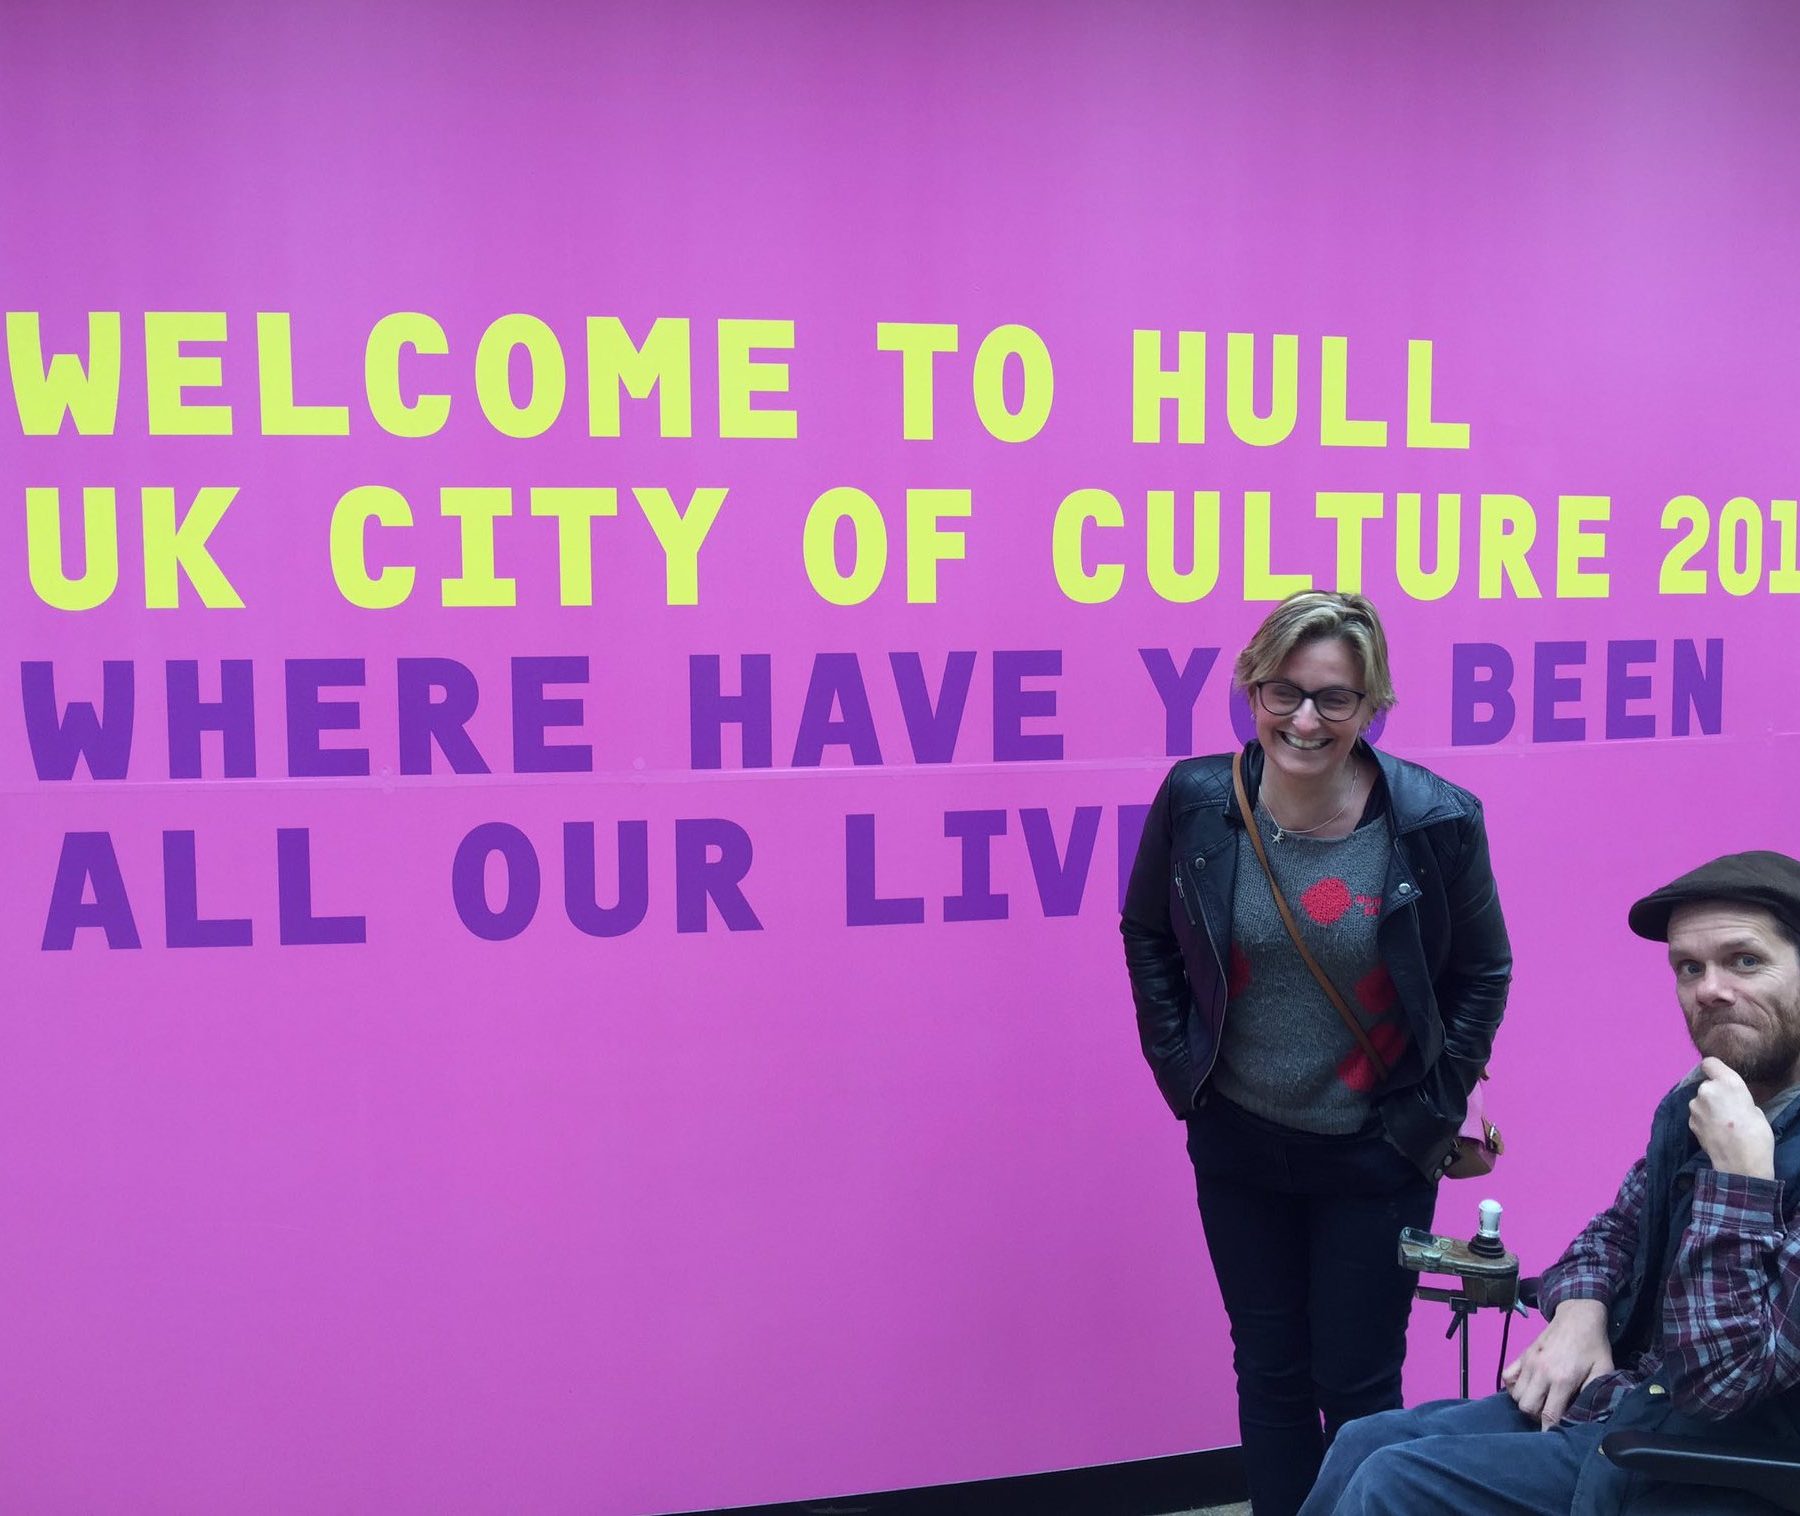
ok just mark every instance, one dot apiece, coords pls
pixel 1326 901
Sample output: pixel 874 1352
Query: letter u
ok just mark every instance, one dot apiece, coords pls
pixel 44 547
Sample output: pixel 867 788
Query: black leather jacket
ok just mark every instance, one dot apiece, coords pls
pixel 1440 935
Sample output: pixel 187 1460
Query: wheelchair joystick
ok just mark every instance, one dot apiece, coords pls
pixel 1486 1241
pixel 1486 1274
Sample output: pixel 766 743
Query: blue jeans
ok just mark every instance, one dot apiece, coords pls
pixel 1304 1236
pixel 1486 1458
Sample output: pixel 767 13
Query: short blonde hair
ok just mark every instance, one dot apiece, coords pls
pixel 1311 616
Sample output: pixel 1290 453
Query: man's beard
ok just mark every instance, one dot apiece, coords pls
pixel 1772 1061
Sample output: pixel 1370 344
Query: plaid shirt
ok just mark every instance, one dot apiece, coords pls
pixel 1728 1333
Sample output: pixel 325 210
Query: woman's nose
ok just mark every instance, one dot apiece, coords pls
pixel 1307 716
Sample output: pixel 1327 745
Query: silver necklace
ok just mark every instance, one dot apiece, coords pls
pixel 1282 833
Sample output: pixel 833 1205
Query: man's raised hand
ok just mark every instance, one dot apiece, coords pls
pixel 1726 1121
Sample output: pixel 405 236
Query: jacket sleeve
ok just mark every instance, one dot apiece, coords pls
pixel 1153 959
pixel 1471 995
pixel 1731 1311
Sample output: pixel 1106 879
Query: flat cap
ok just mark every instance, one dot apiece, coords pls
pixel 1771 880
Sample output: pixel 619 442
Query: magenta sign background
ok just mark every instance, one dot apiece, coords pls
pixel 783 1205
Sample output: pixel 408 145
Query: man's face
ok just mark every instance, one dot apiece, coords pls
pixel 1738 979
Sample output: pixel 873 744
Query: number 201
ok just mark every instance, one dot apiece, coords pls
pixel 1742 536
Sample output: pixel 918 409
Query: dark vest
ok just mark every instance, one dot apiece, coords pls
pixel 1674 1159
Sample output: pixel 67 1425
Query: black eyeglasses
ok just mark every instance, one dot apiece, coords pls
pixel 1279 698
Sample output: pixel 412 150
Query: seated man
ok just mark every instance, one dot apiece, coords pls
pixel 1679 1307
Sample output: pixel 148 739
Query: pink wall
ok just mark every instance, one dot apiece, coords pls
pixel 434 1223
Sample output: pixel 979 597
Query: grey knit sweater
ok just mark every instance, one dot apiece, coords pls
pixel 1286 1054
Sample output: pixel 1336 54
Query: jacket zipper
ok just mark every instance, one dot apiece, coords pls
pixel 1187 905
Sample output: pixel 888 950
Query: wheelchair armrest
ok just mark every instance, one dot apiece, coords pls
pixel 1770 1470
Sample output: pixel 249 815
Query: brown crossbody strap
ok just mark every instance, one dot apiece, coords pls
pixel 1376 1061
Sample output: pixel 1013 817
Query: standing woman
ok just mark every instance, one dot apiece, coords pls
pixel 1307 1159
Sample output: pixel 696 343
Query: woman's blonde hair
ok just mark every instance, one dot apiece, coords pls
pixel 1310 616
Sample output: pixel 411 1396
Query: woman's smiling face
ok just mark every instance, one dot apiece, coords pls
pixel 1303 746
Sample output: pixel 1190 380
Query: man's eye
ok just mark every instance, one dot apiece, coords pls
pixel 1747 960
pixel 1687 967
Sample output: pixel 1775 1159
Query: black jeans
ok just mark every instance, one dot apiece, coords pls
pixel 1304 1236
